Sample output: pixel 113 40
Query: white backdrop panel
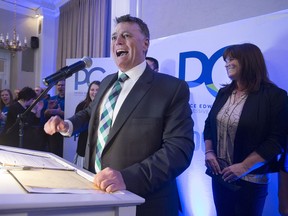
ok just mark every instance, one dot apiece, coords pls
pixel 196 57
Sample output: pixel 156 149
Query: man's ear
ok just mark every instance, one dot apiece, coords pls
pixel 146 45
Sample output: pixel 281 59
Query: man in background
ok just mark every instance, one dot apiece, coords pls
pixel 55 107
pixel 153 63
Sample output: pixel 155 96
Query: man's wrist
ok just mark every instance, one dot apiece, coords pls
pixel 69 128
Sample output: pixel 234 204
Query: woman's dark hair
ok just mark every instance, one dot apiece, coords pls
pixel 11 98
pixel 87 99
pixel 26 94
pixel 252 63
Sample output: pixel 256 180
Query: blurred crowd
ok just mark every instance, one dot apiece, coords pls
pixel 27 130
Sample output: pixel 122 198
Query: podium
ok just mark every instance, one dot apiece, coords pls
pixel 15 200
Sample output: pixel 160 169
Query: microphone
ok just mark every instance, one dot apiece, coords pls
pixel 68 71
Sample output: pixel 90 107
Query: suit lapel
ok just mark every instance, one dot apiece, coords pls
pixel 105 85
pixel 133 98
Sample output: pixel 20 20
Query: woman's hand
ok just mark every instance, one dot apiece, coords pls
pixel 212 163
pixel 234 172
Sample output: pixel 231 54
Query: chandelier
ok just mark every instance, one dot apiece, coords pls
pixel 14 44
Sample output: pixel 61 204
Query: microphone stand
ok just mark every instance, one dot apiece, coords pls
pixel 21 117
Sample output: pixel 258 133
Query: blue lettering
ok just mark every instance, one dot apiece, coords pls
pixel 207 67
pixel 87 75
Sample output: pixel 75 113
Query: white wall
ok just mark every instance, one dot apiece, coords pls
pixel 169 17
pixel 164 18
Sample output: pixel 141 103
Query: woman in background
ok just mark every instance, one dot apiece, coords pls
pixel 6 101
pixel 244 133
pixel 82 139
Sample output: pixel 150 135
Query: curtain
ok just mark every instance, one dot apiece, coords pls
pixel 84 30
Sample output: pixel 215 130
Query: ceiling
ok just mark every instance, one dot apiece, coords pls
pixel 30 7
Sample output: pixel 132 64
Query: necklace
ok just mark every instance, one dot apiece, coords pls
pixel 234 100
pixel 238 96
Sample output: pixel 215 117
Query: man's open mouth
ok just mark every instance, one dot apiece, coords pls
pixel 121 53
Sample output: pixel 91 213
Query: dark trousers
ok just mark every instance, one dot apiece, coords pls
pixel 249 200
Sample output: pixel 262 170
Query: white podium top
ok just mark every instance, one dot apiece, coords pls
pixel 15 199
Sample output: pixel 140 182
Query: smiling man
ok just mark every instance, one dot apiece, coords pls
pixel 140 139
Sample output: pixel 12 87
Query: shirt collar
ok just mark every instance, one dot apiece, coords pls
pixel 135 72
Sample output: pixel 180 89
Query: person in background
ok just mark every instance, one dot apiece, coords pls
pixel 11 137
pixel 16 92
pixel 153 63
pixel 45 98
pixel 5 103
pixel 43 137
pixel 82 136
pixel 38 90
pixel 244 133
pixel 149 138
pixel 283 183
pixel 55 107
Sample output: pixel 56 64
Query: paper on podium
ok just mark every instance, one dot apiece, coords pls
pixel 53 181
pixel 42 172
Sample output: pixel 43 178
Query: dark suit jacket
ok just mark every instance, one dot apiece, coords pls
pixel 262 126
pixel 151 141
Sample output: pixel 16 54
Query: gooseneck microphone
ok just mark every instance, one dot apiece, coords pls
pixel 68 71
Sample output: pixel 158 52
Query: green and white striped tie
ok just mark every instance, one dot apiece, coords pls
pixel 106 119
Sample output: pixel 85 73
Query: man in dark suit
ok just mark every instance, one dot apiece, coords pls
pixel 150 142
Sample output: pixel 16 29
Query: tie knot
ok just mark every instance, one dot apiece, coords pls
pixel 123 77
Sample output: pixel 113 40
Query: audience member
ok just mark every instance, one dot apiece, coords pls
pixel 45 98
pixel 244 133
pixel 16 92
pixel 153 63
pixel 82 136
pixel 38 90
pixel 55 107
pixel 30 137
pixel 151 139
pixel 44 102
pixel 6 101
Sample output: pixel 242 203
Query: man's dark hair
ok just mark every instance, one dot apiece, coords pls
pixel 26 94
pixel 155 62
pixel 127 18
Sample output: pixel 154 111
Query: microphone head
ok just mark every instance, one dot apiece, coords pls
pixel 88 61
